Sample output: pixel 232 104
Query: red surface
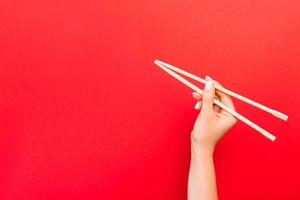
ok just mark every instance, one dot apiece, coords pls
pixel 85 114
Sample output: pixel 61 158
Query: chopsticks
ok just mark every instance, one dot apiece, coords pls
pixel 168 68
pixel 226 91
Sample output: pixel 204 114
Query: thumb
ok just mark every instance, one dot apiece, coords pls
pixel 208 97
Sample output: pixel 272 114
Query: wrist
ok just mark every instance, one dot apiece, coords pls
pixel 202 142
pixel 203 149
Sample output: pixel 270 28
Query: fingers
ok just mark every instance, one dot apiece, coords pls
pixel 208 97
pixel 198 97
pixel 224 98
pixel 217 108
pixel 198 105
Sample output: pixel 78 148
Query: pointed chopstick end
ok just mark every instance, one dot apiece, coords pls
pixel 156 61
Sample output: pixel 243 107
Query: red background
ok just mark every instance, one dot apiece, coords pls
pixel 85 114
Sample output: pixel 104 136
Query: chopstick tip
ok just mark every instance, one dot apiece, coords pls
pixel 156 61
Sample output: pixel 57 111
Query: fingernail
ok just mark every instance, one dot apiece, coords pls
pixel 198 105
pixel 208 85
pixel 208 78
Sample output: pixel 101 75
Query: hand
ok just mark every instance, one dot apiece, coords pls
pixel 212 122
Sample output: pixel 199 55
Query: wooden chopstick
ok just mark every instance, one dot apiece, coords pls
pixel 221 105
pixel 226 91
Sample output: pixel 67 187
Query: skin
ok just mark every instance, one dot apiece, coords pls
pixel 211 125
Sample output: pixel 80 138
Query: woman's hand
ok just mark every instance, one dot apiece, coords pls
pixel 211 125
pixel 212 122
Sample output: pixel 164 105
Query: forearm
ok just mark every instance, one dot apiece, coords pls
pixel 202 180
